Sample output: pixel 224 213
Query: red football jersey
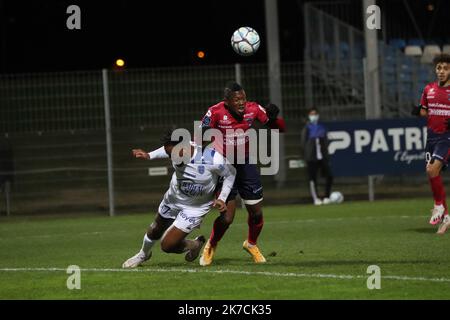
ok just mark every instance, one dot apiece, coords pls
pixel 218 117
pixel 436 100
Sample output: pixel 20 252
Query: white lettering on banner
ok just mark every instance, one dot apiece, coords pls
pixel 396 133
pixel 340 140
pixel 413 136
pixel 404 156
pixel 362 139
pixel 400 140
pixel 379 142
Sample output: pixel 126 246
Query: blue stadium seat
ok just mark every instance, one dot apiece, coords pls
pixel 416 42
pixel 397 43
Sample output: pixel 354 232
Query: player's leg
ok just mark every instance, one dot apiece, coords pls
pixel 153 234
pixel 313 168
pixel 326 172
pixel 174 239
pixel 251 191
pixel 434 167
pixel 220 226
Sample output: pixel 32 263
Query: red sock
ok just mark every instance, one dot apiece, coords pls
pixel 255 225
pixel 219 229
pixel 437 187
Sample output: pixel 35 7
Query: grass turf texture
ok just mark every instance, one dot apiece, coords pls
pixel 312 252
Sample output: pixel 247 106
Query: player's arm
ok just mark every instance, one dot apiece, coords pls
pixel 422 109
pixel 419 111
pixel 224 169
pixel 268 115
pixel 159 153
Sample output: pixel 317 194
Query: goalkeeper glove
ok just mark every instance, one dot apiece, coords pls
pixel 272 111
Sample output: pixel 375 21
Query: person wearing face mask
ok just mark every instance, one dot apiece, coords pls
pixel 315 149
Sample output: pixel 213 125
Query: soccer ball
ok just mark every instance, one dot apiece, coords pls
pixel 336 197
pixel 245 41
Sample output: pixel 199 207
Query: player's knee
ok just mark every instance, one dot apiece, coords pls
pixel 167 246
pixel 433 169
pixel 227 219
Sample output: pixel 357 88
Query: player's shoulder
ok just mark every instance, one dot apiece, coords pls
pixel 431 85
pixel 218 107
pixel 254 105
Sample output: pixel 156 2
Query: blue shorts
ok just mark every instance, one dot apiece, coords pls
pixel 247 183
pixel 437 147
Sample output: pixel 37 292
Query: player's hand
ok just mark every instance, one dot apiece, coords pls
pixel 139 153
pixel 272 111
pixel 415 110
pixel 220 205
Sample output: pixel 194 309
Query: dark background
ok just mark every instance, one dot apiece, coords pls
pixel 34 36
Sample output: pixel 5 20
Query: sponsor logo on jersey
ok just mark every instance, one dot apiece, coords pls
pixel 190 188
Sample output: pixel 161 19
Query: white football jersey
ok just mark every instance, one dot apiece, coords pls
pixel 194 184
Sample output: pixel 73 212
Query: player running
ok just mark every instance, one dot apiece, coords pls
pixel 231 114
pixel 435 105
pixel 189 198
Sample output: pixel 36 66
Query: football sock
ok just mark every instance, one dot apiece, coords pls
pixel 147 245
pixel 255 225
pixel 437 187
pixel 219 229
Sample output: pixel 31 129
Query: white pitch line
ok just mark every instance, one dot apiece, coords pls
pixel 237 272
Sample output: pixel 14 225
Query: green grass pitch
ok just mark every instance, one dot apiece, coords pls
pixel 312 252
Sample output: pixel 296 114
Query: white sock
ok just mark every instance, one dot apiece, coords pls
pixel 147 245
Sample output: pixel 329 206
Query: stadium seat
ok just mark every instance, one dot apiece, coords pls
pixel 397 43
pixel 446 49
pixel 429 52
pixel 412 50
pixel 416 42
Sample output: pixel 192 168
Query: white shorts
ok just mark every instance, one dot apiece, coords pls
pixel 186 218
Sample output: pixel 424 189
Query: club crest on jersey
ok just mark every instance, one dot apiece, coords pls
pixel 225 117
pixel 201 169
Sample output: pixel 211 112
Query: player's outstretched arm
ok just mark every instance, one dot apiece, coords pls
pixel 139 153
pixel 156 154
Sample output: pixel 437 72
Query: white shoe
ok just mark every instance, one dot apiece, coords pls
pixel 136 260
pixel 317 202
pixel 436 214
pixel 445 225
pixel 326 201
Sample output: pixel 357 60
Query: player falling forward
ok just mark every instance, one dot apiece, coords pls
pixel 435 105
pixel 189 198
pixel 234 113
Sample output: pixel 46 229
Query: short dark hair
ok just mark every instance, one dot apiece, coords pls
pixel 166 139
pixel 441 58
pixel 230 88
pixel 313 109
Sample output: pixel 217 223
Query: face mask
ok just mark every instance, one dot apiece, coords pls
pixel 314 118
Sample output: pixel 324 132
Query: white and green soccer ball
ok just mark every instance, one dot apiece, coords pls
pixel 245 41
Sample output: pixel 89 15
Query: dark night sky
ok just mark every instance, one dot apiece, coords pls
pixel 145 33
pixel 34 37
